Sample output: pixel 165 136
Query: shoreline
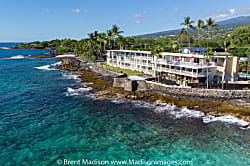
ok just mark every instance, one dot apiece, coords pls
pixel 12 48
pixel 102 88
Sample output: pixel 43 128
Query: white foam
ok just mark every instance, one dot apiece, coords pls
pixel 84 89
pixel 71 76
pixel 5 48
pixel 17 57
pixel 164 107
pixel 70 89
pixel 226 119
pixel 57 63
pixel 76 92
pixel 118 101
pixel 45 67
pixel 157 107
pixel 64 56
pixel 185 112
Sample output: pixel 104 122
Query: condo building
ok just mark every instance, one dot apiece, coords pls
pixel 178 67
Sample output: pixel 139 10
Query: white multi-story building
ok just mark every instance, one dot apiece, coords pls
pixel 182 68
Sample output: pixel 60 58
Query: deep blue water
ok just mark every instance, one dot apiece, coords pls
pixel 8 44
pixel 40 124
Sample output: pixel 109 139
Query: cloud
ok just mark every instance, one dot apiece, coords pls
pixel 76 10
pixel 232 11
pixel 85 10
pixel 227 13
pixel 138 16
pixel 47 11
pixel 137 22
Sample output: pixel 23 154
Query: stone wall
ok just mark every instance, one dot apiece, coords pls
pixel 119 82
pixel 105 72
pixel 215 94
pixel 148 86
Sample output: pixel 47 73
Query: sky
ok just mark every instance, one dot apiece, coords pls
pixel 29 20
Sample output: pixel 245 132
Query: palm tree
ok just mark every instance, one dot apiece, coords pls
pixel 156 51
pixel 90 42
pixel 121 41
pixel 210 26
pixel 128 42
pixel 209 52
pixel 188 23
pixel 115 32
pixel 228 45
pixel 101 38
pixel 200 26
pixel 180 36
pixel 109 34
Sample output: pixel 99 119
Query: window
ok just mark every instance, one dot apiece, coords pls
pixel 196 60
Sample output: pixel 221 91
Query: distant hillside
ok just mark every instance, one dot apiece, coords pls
pixel 225 24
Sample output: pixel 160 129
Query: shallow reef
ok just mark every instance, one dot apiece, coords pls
pixel 103 89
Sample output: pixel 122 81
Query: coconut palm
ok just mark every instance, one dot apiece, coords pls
pixel 101 38
pixel 188 23
pixel 109 35
pixel 121 41
pixel 227 45
pixel 209 53
pixel 199 27
pixel 182 33
pixel 115 32
pixel 210 26
pixel 128 42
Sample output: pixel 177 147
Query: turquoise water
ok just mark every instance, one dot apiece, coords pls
pixel 40 124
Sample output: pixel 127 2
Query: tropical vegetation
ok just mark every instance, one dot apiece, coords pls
pixel 93 47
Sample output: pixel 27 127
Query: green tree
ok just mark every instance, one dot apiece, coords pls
pixel 199 27
pixel 115 32
pixel 228 45
pixel 188 24
pixel 210 26
pixel 182 33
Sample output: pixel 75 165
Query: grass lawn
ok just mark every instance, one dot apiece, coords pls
pixel 127 71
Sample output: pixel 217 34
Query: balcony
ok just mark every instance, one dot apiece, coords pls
pixel 147 71
pixel 150 58
pixel 185 64
pixel 181 72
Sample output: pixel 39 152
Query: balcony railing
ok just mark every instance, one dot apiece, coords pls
pixel 177 71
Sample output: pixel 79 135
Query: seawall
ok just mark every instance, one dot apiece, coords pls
pixel 120 80
pixel 149 86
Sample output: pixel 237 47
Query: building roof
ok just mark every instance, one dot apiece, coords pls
pixel 134 51
pixel 182 55
pixel 170 54
pixel 194 49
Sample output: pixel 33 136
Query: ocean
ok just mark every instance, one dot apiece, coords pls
pixel 46 120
